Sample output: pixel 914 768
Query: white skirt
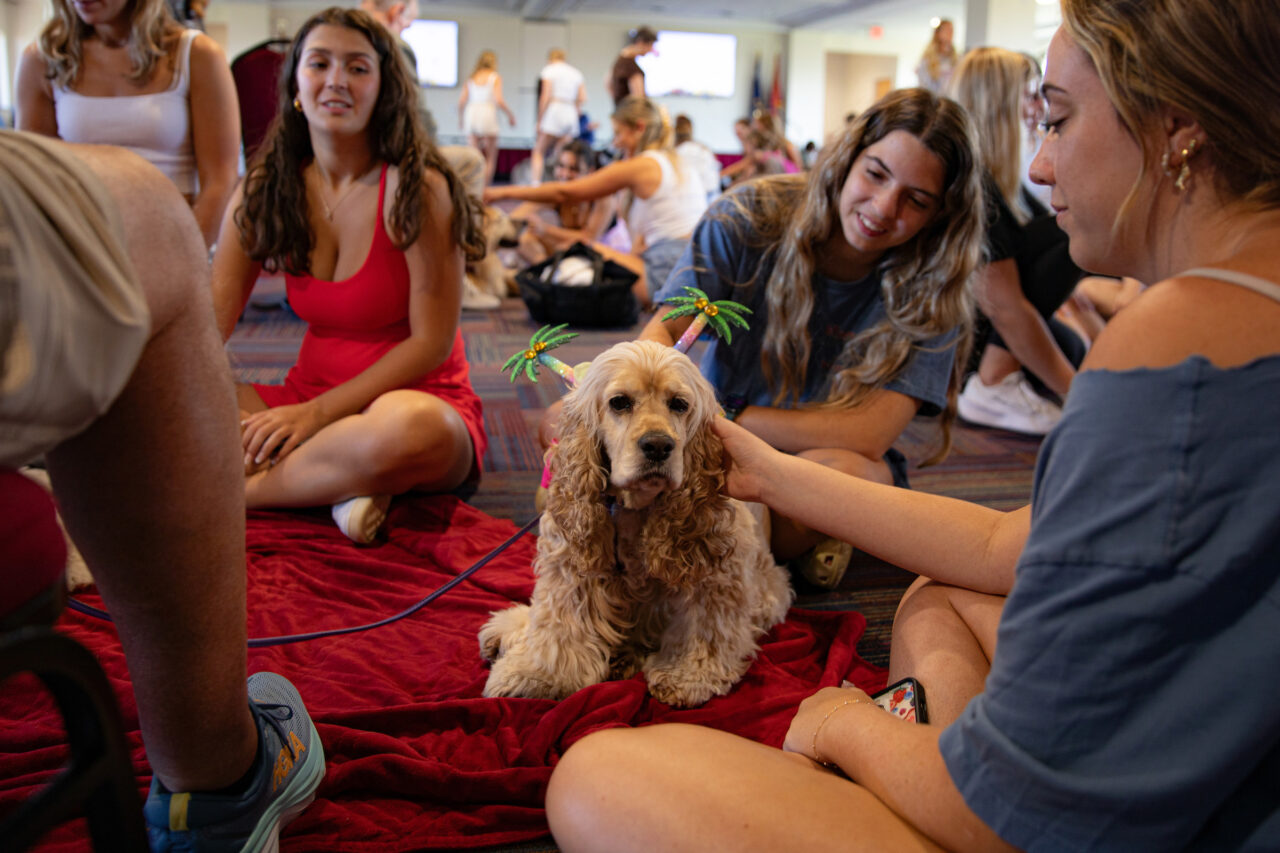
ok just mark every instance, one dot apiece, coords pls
pixel 560 119
pixel 480 118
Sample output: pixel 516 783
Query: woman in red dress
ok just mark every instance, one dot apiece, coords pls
pixel 350 199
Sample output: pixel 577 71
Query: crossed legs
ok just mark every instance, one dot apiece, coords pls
pixel 678 787
pixel 403 440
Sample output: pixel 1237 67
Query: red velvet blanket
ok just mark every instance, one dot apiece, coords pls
pixel 416 757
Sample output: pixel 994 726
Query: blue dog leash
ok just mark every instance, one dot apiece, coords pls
pixel 267 642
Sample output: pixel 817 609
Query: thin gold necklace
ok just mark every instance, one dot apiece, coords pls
pixel 355 182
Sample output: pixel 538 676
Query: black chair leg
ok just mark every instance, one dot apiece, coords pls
pixel 98 779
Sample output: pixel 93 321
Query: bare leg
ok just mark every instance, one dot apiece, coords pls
pixel 537 158
pixel 790 538
pixel 945 636
pixel 680 787
pixel 996 363
pixel 404 440
pixel 488 146
pixel 152 494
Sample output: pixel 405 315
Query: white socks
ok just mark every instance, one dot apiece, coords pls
pixel 361 518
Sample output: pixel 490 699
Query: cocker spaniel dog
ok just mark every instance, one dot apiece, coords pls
pixel 642 563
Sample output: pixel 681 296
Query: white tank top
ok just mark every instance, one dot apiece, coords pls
pixel 156 127
pixel 480 93
pixel 672 211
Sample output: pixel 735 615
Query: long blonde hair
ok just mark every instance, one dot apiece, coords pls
pixel 152 34
pixel 934 52
pixel 990 82
pixel 924 283
pixel 487 61
pixel 1214 59
pixel 635 111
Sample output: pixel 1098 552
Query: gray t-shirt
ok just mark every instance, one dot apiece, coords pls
pixel 1132 703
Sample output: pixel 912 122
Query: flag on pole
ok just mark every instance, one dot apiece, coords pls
pixel 775 93
pixel 757 87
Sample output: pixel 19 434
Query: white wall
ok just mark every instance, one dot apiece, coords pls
pixel 905 30
pixel 850 81
pixel 20 23
pixel 592 44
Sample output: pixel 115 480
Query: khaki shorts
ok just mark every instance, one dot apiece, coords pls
pixel 73 317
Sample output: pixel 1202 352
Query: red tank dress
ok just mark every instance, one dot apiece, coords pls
pixel 354 322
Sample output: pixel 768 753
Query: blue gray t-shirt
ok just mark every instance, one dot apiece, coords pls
pixel 717 261
pixel 1134 700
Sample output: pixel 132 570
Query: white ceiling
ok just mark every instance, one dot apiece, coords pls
pixel 783 13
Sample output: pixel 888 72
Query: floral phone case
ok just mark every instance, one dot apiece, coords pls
pixel 905 700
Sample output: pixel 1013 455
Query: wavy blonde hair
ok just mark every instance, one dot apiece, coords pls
pixel 1217 60
pixel 635 111
pixel 924 283
pixel 152 34
pixel 990 82
pixel 934 52
pixel 488 60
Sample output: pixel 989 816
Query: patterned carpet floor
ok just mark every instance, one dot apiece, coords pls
pixel 988 467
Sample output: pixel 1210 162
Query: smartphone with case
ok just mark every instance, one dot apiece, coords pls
pixel 905 700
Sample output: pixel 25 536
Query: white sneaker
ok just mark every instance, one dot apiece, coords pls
pixel 1010 404
pixel 474 299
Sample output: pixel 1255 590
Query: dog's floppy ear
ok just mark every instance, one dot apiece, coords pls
pixel 579 476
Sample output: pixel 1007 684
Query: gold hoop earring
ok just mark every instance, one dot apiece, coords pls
pixel 1184 175
pixel 297 106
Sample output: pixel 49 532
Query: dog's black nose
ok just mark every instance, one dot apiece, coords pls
pixel 657 446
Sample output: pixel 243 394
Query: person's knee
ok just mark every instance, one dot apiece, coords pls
pixel 416 438
pixel 588 767
pixel 549 426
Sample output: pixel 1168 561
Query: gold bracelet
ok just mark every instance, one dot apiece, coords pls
pixel 823 722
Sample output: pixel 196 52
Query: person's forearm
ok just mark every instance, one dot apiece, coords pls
pixel 901 764
pixel 210 204
pixel 550 193
pixel 949 540
pixel 663 332
pixel 1028 339
pixel 796 430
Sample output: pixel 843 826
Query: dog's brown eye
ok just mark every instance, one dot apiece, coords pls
pixel 620 403
pixel 679 405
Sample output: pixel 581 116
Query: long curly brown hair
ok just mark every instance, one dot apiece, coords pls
pixel 272 219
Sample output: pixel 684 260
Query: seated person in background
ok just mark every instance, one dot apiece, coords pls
pixel 699 157
pixel 856 274
pixel 128 74
pixel 356 206
pixel 729 174
pixel 1146 576
pixel 666 197
pixel 551 228
pixel 1029 274
pixel 767 124
pixel 760 156
pixel 111 368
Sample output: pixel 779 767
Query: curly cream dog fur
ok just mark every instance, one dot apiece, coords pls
pixel 642 563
